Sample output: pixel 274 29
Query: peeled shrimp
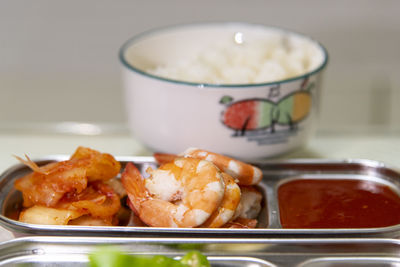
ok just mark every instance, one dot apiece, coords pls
pixel 250 203
pixel 246 174
pixel 228 206
pixel 183 193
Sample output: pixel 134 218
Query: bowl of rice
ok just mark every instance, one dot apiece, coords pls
pixel 244 90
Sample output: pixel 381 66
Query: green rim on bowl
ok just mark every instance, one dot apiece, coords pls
pixel 142 35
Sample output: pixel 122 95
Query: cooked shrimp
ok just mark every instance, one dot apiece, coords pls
pixel 250 203
pixel 134 219
pixel 180 194
pixel 163 158
pixel 228 205
pixel 245 173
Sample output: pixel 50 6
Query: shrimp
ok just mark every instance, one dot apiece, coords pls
pixel 183 193
pixel 248 209
pixel 245 173
pixel 163 158
pixel 250 203
pixel 228 205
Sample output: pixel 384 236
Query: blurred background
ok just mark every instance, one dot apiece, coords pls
pixel 58 59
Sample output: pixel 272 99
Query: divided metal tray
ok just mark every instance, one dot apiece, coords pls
pixel 269 220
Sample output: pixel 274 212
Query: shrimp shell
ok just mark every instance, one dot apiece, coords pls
pixel 228 206
pixel 245 173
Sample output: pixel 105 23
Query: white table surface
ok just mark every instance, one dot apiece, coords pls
pixel 372 145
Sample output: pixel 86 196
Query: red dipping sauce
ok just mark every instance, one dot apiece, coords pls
pixel 323 203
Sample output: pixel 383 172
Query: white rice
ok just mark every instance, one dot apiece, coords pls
pixel 234 61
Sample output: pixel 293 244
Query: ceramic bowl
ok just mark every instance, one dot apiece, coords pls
pixel 247 120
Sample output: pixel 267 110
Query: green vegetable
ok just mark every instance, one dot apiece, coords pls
pixel 110 257
pixel 195 259
pixel 189 246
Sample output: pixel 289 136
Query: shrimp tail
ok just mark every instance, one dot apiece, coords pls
pixel 141 202
pixel 133 182
pixel 163 158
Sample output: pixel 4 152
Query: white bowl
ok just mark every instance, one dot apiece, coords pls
pixel 243 120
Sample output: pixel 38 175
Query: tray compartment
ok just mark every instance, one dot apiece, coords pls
pixel 335 201
pixel 275 173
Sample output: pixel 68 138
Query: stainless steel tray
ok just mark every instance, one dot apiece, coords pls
pixel 73 251
pixel 269 220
